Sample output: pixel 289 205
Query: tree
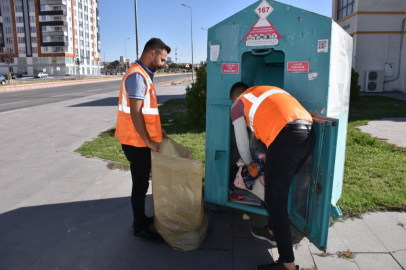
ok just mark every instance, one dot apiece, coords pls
pixel 355 87
pixel 174 65
pixel 7 57
pixel 196 98
pixel 115 64
pixel 78 62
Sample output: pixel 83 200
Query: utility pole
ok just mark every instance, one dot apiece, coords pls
pixel 191 32
pixel 136 29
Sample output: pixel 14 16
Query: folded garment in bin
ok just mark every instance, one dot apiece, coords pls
pixel 258 188
pixel 248 179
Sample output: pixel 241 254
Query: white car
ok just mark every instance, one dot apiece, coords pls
pixel 41 75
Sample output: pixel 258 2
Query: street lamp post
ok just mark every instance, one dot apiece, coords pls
pixel 191 32
pixel 125 62
pixel 136 29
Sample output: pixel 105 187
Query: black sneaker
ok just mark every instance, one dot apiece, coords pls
pixel 150 221
pixel 263 234
pixel 274 266
pixel 147 236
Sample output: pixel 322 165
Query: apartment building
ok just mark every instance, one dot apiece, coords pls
pixel 377 28
pixel 50 36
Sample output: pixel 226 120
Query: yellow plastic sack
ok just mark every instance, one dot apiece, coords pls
pixel 177 194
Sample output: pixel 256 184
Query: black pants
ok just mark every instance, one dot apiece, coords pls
pixel 140 160
pixel 286 155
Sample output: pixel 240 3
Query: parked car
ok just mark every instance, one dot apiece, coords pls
pixel 17 75
pixel 12 76
pixel 2 79
pixel 41 75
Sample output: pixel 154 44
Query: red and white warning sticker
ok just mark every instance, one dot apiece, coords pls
pixel 298 67
pixel 263 33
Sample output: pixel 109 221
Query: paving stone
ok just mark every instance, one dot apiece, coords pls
pixel 334 243
pixel 221 230
pixel 203 259
pixel 250 252
pixel 377 262
pixel 63 253
pixel 242 227
pixel 328 263
pixel 303 257
pixel 379 224
pixel 85 263
pixel 168 258
pixel 400 257
pixel 358 237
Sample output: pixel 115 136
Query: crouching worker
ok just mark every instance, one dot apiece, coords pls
pixel 139 129
pixel 277 119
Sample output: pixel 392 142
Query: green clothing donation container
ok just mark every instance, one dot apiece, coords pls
pixel 309 56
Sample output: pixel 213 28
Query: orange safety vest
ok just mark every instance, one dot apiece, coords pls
pixel 125 130
pixel 268 109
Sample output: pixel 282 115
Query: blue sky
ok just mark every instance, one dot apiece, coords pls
pixel 170 21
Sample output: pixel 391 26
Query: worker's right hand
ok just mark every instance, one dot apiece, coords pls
pixel 252 169
pixel 154 146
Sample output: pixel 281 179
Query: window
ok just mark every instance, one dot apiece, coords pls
pixel 42 7
pixel 58 29
pixel 20 29
pixel 87 43
pixel 33 29
pixel 34 49
pixel 21 39
pixel 18 8
pixel 86 17
pixel 6 9
pixel 87 35
pixel 82 52
pixel 76 32
pixel 57 8
pixel 80 15
pixel 34 39
pixel 7 20
pixel 81 33
pixel 44 28
pixel 44 49
pixel 80 5
pixel 57 19
pixel 81 43
pixel 44 38
pixel 4 0
pixel 32 18
pixel 31 8
pixel 21 49
pixel 76 23
pixel 345 8
pixel 9 40
pixel 8 30
pixel 87 53
pixel 19 19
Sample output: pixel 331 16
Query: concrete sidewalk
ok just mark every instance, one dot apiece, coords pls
pixel 59 210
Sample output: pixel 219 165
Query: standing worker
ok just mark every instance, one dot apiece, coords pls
pixel 139 129
pixel 277 119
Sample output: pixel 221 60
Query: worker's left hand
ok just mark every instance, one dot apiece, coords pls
pixel 164 133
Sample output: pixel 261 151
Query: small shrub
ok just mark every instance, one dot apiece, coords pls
pixel 196 98
pixel 355 87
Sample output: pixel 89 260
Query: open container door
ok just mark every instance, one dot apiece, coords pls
pixel 311 191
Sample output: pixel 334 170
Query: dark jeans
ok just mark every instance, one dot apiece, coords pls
pixel 286 155
pixel 140 164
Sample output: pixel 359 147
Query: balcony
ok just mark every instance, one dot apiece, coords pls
pixel 53 2
pixel 53 23
pixel 55 43
pixel 52 12
pixel 55 33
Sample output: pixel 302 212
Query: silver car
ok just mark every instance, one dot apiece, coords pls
pixel 2 79
pixel 41 75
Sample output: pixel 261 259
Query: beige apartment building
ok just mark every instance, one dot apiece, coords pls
pixel 49 35
pixel 378 29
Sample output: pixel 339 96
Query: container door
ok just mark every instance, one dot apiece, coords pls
pixel 311 190
pixel 217 151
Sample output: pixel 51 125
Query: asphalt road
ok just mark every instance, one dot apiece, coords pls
pixel 16 100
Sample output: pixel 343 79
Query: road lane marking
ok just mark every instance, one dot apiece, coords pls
pixel 63 95
pixel 14 111
pixel 13 102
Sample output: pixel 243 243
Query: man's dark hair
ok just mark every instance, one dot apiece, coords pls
pixel 157 45
pixel 238 88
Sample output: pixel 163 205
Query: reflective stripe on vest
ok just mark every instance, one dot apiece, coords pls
pixel 146 109
pixel 256 101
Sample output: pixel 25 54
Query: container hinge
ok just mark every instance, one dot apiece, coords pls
pixel 336 213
